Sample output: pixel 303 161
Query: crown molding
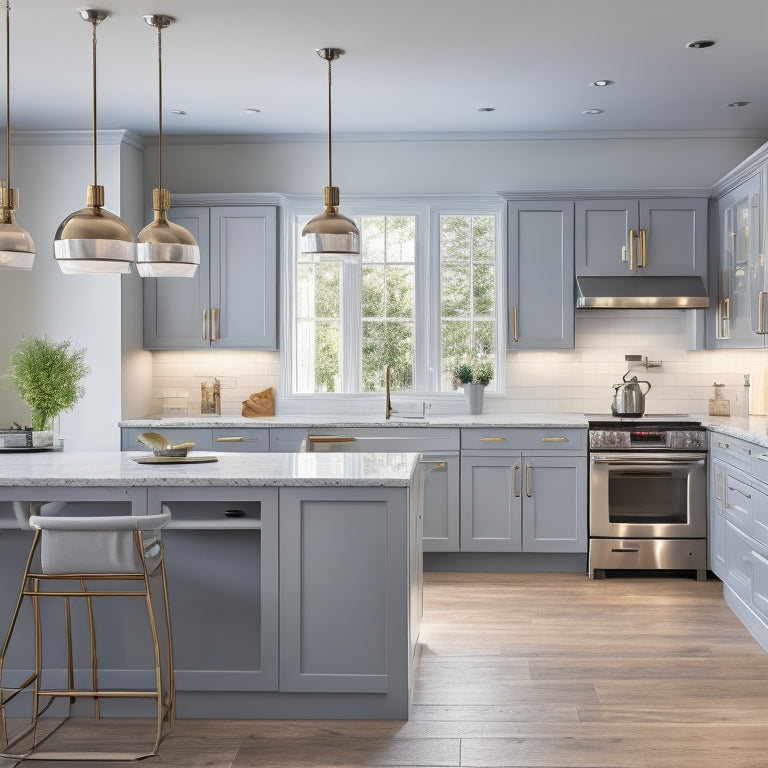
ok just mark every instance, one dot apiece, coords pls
pixel 77 138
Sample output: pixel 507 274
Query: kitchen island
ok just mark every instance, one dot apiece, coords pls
pixel 294 579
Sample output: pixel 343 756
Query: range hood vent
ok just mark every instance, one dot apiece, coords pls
pixel 634 292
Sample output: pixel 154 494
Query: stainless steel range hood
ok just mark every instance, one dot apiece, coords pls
pixel 634 292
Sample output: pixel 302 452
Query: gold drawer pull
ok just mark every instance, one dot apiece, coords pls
pixel 234 439
pixel 558 439
pixel 493 439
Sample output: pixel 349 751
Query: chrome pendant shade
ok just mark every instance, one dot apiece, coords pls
pixel 17 250
pixel 330 233
pixel 93 240
pixel 164 249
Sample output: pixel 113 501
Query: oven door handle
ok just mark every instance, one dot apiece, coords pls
pixel 648 458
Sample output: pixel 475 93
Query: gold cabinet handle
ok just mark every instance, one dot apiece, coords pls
pixel 528 481
pixel 515 489
pixel 624 253
pixel 205 325
pixel 726 309
pixel 436 466
pixel 762 297
pixel 558 439
pixel 632 236
pixel 215 335
pixel 515 333
pixel 642 249
pixel 493 439
pixel 315 439
pixel 233 439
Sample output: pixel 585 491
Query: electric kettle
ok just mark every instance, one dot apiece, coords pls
pixel 629 398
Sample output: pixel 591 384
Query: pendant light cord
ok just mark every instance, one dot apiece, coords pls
pixel 330 165
pixel 160 106
pixel 8 93
pixel 95 175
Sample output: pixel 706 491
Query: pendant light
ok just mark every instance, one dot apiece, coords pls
pixel 164 249
pixel 93 240
pixel 17 251
pixel 330 233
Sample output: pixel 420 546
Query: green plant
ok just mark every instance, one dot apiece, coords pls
pixel 482 373
pixel 47 374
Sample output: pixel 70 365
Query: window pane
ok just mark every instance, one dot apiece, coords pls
pixel 387 343
pixel 373 295
pixel 454 238
pixel 483 238
pixel 454 291
pixel 400 291
pixel 456 340
pixel 317 356
pixel 401 238
pixel 372 238
pixel 484 289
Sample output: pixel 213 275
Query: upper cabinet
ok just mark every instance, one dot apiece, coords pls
pixel 540 300
pixel 231 302
pixel 651 237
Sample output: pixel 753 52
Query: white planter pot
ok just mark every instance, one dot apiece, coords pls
pixel 43 439
pixel 474 395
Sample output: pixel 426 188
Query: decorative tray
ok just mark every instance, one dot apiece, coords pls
pixel 173 459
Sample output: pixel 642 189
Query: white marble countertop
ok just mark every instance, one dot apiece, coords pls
pixel 113 468
pixel 754 429
pixel 576 420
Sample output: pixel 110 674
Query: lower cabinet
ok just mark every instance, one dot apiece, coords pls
pixel 441 502
pixel 717 483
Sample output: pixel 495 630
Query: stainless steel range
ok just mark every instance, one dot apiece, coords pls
pixel 647 495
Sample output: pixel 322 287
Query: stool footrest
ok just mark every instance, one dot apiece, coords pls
pixel 100 694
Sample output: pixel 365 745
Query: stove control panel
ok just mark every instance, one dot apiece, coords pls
pixel 649 438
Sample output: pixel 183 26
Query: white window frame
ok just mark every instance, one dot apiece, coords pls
pixel 427 211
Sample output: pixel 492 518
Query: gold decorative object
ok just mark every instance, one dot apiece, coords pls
pixel 260 404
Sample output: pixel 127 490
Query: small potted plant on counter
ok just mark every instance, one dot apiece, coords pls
pixel 474 381
pixel 47 375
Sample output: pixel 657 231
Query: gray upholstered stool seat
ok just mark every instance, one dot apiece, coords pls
pixel 88 557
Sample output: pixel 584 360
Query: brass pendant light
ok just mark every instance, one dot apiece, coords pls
pixel 164 249
pixel 330 233
pixel 17 251
pixel 93 240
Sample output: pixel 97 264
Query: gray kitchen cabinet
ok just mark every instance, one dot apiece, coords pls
pixel 345 581
pixel 737 315
pixel 441 502
pixel 240 439
pixel 200 436
pixel 664 237
pixel 524 490
pixel 286 439
pixel 231 302
pixel 253 440
pixel 225 623
pixel 717 482
pixel 540 296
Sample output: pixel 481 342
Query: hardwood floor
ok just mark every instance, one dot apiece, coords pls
pixel 538 670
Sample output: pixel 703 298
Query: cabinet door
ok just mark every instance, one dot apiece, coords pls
pixel 286 439
pixel 244 277
pixel 554 504
pixel 602 230
pixel 491 506
pixel 717 519
pixel 441 502
pixel 174 306
pixel 540 276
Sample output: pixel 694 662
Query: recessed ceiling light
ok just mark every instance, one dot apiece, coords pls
pixel 178 112
pixel 252 111
pixel 486 109
pixel 738 104
pixel 603 83
pixel 700 44
pixel 593 111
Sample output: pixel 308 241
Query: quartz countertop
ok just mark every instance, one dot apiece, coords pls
pixel 114 468
pixel 563 420
pixel 754 428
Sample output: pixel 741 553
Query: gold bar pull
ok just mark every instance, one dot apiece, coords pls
pixel 515 489
pixel 762 297
pixel 642 249
pixel 205 325
pixel 436 466
pixel 632 236
pixel 493 439
pixel 528 481
pixel 515 334
pixel 623 252
pixel 233 439
pixel 215 335
pixel 558 439
pixel 726 309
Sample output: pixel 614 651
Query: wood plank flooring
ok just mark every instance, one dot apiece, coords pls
pixel 541 671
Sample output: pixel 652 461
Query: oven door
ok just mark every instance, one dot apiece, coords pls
pixel 648 495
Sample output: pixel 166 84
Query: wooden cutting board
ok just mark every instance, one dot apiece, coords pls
pixel 758 392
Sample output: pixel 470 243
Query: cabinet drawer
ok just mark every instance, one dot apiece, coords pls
pixel 739 496
pixel 384 439
pixel 738 551
pixel 286 439
pixel 200 436
pixel 523 438
pixel 737 452
pixel 246 440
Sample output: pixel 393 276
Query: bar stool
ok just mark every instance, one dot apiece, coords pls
pixel 88 557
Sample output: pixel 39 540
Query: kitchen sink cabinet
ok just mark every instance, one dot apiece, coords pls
pixel 664 237
pixel 231 302
pixel 540 298
pixel 524 499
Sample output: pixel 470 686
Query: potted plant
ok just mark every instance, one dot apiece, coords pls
pixel 474 381
pixel 46 374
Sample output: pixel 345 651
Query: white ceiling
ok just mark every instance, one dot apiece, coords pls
pixel 412 66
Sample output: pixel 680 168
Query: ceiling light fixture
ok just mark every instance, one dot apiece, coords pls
pixel 164 249
pixel 738 104
pixel 700 44
pixel 602 83
pixel 486 109
pixel 17 251
pixel 330 233
pixel 594 111
pixel 93 240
